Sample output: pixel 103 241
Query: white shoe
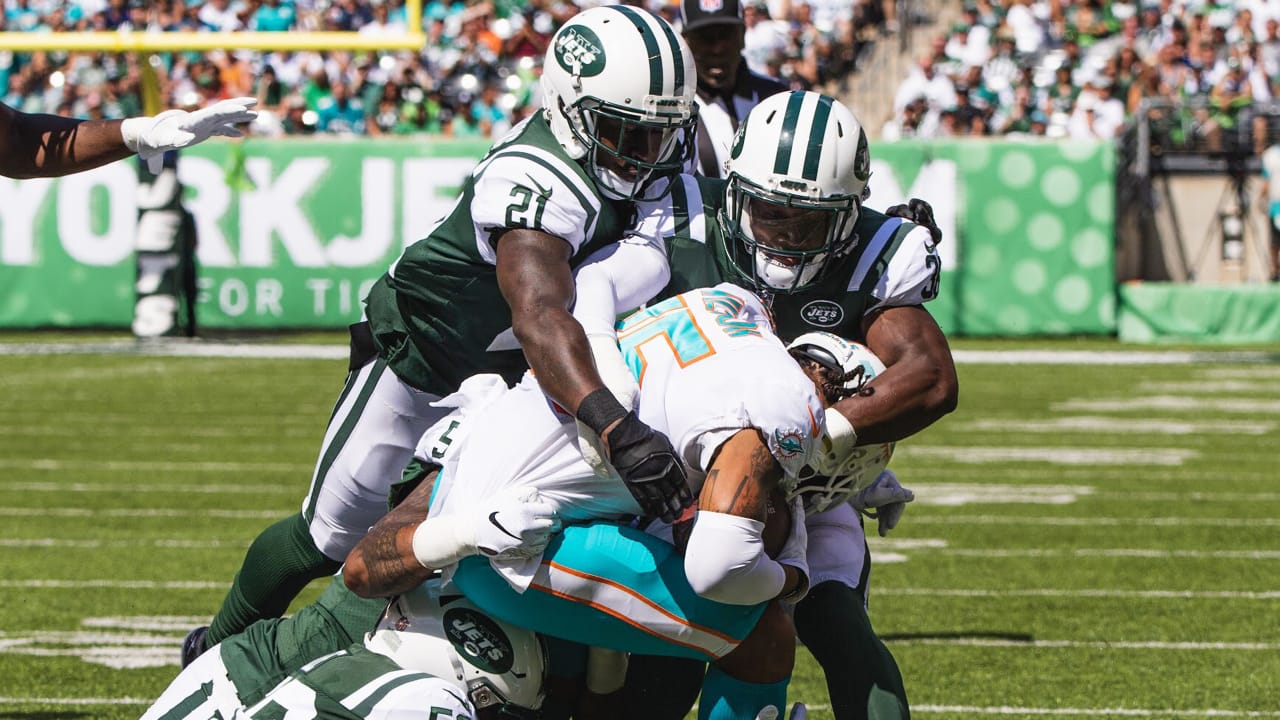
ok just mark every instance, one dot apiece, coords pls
pixel 798 712
pixel 768 712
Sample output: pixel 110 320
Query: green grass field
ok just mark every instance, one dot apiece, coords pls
pixel 1092 540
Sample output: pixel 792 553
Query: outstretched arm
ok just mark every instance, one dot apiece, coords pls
pixel 34 145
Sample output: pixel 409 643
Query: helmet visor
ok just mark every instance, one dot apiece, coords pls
pixel 785 230
pixel 638 147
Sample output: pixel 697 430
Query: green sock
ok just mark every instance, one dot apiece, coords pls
pixel 279 563
pixel 863 679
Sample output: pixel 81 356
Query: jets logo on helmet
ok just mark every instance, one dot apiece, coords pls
pixel 578 51
pixel 501 666
pixel 796 180
pixel 630 120
pixel 479 640
pixel 862 161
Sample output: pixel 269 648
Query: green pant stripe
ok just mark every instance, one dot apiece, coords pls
pixel 376 696
pixel 816 134
pixel 344 432
pixel 189 703
pixel 791 118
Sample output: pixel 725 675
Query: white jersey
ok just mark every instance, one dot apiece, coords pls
pixel 708 364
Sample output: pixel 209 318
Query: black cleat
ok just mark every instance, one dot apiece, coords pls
pixel 193 645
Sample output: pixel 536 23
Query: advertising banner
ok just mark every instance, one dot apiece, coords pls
pixel 1028 227
pixel 290 233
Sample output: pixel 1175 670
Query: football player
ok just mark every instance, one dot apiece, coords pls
pixel 489 290
pixel 744 418
pixel 35 145
pixel 789 223
pixel 431 657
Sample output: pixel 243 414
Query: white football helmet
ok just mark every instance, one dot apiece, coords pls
pixel 501 666
pixel 840 469
pixel 797 173
pixel 618 88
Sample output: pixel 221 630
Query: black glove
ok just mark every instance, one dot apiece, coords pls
pixel 919 212
pixel 649 466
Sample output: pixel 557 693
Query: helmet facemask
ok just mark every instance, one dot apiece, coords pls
pixel 783 242
pixel 628 152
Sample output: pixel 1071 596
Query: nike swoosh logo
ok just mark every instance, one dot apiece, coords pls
pixel 543 191
pixel 493 518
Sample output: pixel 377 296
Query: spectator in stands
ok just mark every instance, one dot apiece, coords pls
pixel 1028 31
pixel 908 123
pixel 764 38
pixel 219 16
pixel 273 16
pixel 340 113
pixel 925 81
pixel 970 40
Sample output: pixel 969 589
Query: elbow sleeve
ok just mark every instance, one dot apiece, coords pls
pixel 725 560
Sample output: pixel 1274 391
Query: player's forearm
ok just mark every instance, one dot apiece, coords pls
pixel 905 399
pixel 51 145
pixel 560 357
pixel 383 563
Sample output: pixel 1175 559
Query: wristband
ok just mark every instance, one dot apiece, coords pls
pixel 439 542
pixel 599 409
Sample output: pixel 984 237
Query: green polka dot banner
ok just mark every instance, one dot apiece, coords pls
pixel 1032 224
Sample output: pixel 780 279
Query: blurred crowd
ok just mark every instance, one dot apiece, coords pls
pixel 476 76
pixel 1082 69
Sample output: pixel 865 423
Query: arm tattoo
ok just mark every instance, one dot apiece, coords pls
pixel 389 570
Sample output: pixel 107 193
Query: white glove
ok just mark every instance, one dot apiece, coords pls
pixel 152 137
pixel 884 499
pixel 795 551
pixel 617 377
pixel 517 525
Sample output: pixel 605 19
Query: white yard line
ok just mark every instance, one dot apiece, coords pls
pixel 1054 455
pixel 199 489
pixel 151 465
pixel 920 519
pixel 146 513
pixel 1131 426
pixel 216 349
pixel 113 584
pixel 94 544
pixel 1086 593
pixel 1085 644
pixel 1093 712
pixel 1200 405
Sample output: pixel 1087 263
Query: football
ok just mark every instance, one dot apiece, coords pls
pixel 777 524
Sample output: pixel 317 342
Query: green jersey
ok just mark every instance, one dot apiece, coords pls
pixel 892 263
pixel 438 316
